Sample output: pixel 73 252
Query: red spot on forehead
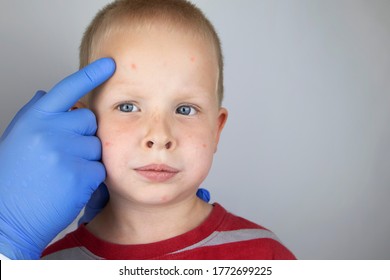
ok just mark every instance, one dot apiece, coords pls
pixel 133 66
pixel 192 58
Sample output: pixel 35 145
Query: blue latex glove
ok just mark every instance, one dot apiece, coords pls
pixel 49 164
pixel 97 202
pixel 203 194
pixel 100 198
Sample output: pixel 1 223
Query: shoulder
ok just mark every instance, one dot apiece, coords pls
pixel 234 222
pixel 250 240
pixel 68 241
pixel 70 247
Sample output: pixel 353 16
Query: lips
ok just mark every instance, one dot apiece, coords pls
pixel 157 172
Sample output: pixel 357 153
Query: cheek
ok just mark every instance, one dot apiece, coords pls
pixel 107 145
pixel 203 141
pixel 198 149
pixel 112 155
pixel 196 141
pixel 116 142
pixel 112 132
pixel 200 137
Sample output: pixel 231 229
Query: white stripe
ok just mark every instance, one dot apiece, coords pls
pixel 224 237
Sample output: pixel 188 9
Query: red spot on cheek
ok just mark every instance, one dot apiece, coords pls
pixel 204 146
pixel 107 144
pixel 192 58
pixel 134 66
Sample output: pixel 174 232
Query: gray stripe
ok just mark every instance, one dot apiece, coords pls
pixel 76 253
pixel 224 237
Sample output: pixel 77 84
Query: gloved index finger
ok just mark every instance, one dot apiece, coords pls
pixel 68 91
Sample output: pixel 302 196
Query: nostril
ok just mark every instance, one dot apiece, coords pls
pixel 149 144
pixel 168 145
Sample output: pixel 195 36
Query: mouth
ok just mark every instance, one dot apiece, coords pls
pixel 157 172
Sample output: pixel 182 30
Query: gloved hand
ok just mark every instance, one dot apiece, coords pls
pixel 49 164
pixel 100 198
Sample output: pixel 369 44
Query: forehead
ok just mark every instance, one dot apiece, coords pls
pixel 157 44
pixel 152 55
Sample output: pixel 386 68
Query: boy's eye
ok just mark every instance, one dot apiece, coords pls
pixel 186 110
pixel 128 107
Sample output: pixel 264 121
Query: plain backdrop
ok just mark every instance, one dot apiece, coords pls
pixel 306 150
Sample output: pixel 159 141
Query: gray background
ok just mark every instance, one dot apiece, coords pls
pixel 306 148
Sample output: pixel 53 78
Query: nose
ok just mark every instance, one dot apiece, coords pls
pixel 159 134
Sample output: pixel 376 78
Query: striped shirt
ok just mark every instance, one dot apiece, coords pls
pixel 221 236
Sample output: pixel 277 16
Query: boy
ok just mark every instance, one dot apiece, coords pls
pixel 159 121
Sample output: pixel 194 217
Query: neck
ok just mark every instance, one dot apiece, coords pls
pixel 130 223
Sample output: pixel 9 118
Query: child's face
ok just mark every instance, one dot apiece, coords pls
pixel 158 116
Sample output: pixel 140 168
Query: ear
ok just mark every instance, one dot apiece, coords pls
pixel 222 118
pixel 78 105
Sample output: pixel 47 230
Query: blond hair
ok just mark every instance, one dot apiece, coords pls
pixel 176 13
